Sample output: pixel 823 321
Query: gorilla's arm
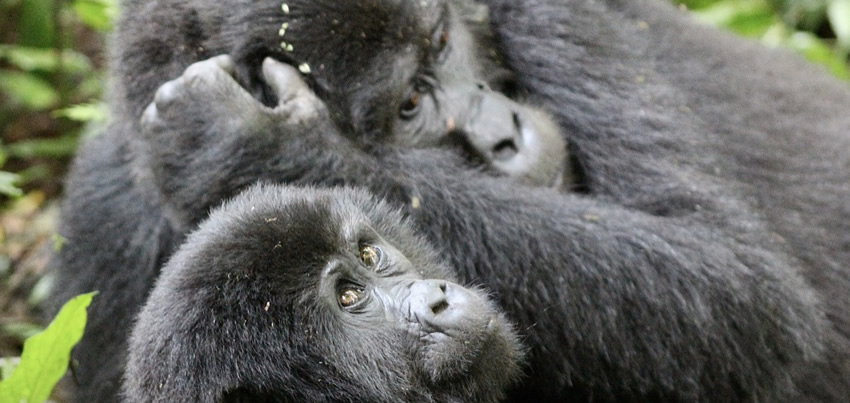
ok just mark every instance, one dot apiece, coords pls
pixel 629 303
pixel 615 300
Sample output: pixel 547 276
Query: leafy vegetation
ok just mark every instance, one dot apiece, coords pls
pixel 51 78
pixel 818 29
pixel 46 356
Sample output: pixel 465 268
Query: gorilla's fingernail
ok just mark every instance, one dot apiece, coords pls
pixel 450 123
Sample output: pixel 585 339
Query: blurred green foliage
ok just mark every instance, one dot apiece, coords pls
pixel 818 29
pixel 51 80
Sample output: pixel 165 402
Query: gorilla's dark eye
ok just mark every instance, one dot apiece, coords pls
pixel 444 39
pixel 411 105
pixel 350 297
pixel 370 256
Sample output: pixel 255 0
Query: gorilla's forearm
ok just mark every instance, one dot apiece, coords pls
pixel 659 304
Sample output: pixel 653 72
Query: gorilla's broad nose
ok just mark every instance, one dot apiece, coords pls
pixel 494 130
pixel 428 298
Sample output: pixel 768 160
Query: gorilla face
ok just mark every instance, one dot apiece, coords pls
pixel 306 295
pixel 411 74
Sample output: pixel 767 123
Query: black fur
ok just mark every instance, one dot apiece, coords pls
pixel 249 309
pixel 706 261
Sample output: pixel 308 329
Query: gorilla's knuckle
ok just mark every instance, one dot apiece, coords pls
pixel 167 93
pixel 204 74
pixel 150 118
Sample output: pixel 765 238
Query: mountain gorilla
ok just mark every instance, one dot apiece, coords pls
pixel 307 295
pixel 705 258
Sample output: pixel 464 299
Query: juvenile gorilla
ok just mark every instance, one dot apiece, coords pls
pixel 705 260
pixel 306 295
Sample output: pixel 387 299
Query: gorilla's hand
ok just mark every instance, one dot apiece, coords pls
pixel 207 95
pixel 205 123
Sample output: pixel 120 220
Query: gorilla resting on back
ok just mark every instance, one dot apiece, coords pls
pixel 705 257
pixel 308 295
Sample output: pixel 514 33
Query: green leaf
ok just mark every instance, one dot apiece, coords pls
pixel 839 19
pixel 29 89
pixel 746 17
pixel 35 24
pixel 696 4
pixel 97 14
pixel 752 25
pixel 815 49
pixel 46 355
pixel 47 60
pixel 83 112
pixel 8 184
pixel 49 147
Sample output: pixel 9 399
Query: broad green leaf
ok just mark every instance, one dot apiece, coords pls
pixel 29 89
pixel 83 112
pixel 46 355
pixel 839 20
pixel 32 59
pixel 8 184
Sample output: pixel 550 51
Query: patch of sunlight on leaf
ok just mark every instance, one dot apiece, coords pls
pixel 838 13
pixel 8 184
pixel 818 51
pixel 92 112
pixel 98 14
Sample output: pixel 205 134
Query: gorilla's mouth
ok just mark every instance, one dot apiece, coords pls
pixel 457 355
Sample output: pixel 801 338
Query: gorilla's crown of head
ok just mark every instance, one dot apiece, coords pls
pixel 312 33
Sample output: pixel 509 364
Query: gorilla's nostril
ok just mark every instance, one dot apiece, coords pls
pixel 517 122
pixel 439 306
pixel 482 86
pixel 504 150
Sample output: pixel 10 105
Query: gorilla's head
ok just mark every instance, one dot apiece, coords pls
pixel 289 294
pixel 407 73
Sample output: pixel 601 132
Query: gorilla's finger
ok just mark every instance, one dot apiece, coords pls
pixel 284 80
pixel 220 62
pixel 150 118
pixel 167 93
